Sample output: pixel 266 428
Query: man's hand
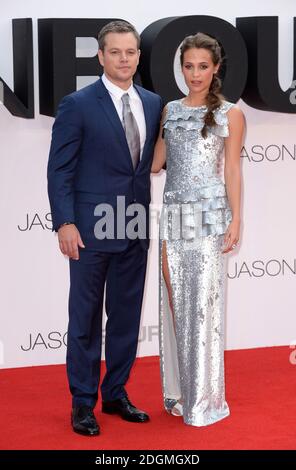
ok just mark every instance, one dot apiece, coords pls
pixel 70 240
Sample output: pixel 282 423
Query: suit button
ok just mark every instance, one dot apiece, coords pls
pixel 134 200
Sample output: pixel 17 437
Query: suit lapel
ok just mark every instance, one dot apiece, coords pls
pixel 112 115
pixel 147 114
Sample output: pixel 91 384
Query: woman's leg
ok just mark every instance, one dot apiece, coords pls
pixel 166 275
pixel 177 409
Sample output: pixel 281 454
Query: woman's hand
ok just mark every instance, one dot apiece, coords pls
pixel 231 237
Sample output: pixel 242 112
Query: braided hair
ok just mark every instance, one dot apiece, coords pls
pixel 214 97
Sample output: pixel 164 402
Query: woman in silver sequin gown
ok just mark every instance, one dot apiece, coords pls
pixel 199 225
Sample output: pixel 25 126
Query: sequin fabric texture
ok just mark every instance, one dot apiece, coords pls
pixel 194 218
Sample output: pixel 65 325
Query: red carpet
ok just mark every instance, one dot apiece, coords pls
pixel 260 386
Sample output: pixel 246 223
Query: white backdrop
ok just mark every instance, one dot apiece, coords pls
pixel 261 297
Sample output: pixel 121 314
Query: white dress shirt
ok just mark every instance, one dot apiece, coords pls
pixel 135 103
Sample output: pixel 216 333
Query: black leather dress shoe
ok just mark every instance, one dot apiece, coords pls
pixel 124 408
pixel 84 421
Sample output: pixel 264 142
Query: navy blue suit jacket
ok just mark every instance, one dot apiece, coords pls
pixel 90 162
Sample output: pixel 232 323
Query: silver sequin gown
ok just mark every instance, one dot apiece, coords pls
pixel 195 216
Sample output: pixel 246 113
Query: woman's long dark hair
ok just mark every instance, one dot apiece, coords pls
pixel 214 97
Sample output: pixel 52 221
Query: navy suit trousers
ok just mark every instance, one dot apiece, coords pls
pixel 123 274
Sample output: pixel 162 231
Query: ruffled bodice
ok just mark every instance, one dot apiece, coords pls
pixel 191 118
pixel 193 162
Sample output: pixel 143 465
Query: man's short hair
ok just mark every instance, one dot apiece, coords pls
pixel 118 26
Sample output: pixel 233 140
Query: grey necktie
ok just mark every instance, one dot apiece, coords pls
pixel 131 130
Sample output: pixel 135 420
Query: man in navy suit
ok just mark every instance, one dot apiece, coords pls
pixel 101 152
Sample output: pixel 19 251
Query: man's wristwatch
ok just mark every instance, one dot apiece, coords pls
pixel 65 223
